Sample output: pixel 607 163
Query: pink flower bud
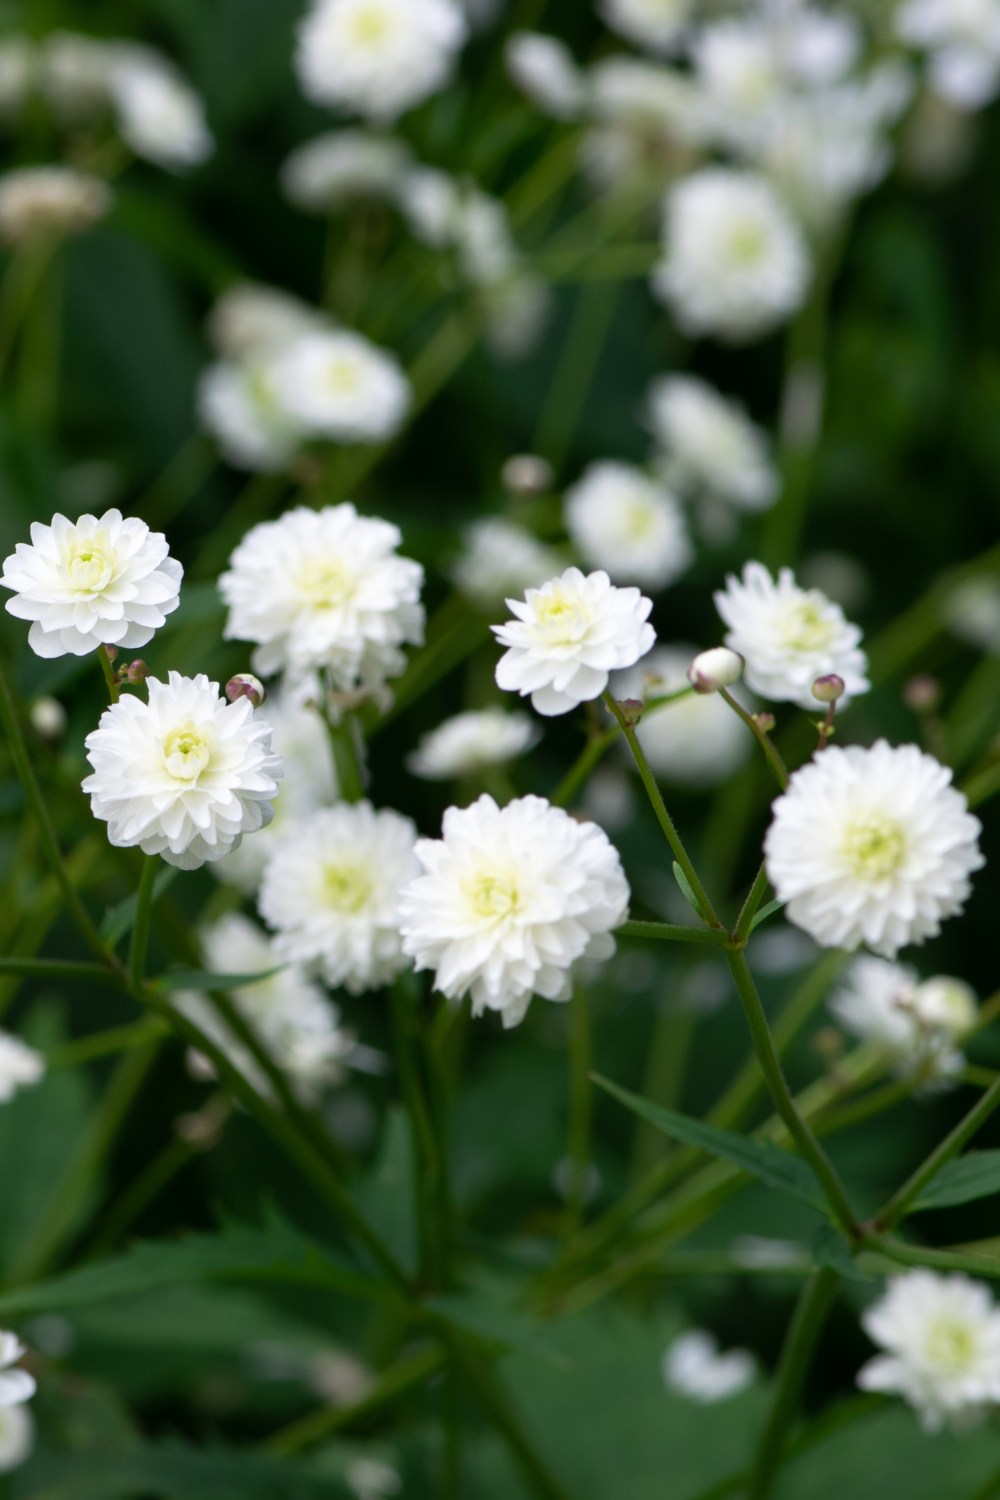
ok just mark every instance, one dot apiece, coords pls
pixel 135 672
pixel 829 688
pixel 246 685
pixel 715 669
pixel 922 693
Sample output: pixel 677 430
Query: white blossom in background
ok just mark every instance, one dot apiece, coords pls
pixel 543 68
pixel 378 58
pixel 76 74
pixel 20 1066
pixel 646 99
pixel 872 846
pixel 940 1337
pixel 509 899
pixel 330 892
pixel 972 610
pixel 325 591
pixel 241 406
pixel 302 739
pixel 620 519
pixel 472 742
pixel 290 1014
pixel 656 24
pixel 185 775
pixel 500 558
pixel 19 69
pixel 340 386
pixel 697 741
pixel 49 202
pixel 789 636
pixel 568 636
pixel 96 581
pixel 344 166
pixel 159 116
pixel 735 263
pixel 694 1366
pixel 710 450
pixel 962 40
pixel 17 1437
pixel 920 1027
pixel 252 320
pixel 16 1385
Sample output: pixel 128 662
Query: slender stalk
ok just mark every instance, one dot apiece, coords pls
pixel 580 771
pixel 109 674
pixel 575 370
pixel 427 1167
pixel 796 1355
pixel 57 968
pixel 578 1142
pixel 982 785
pixel 394 1383
pixel 895 1209
pixel 938 1260
pixel 345 741
pixel 139 946
pixel 105 1044
pixel 755 896
pixel 763 739
pixel 706 909
pixel 672 932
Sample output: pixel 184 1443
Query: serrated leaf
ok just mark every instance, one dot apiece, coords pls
pixel 204 979
pixel 685 887
pixel 830 1249
pixel 119 920
pixel 975 1175
pixel 779 1169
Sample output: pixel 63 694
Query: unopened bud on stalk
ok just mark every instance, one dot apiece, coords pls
pixel 526 474
pixel 765 721
pixel 246 685
pixel 48 718
pixel 632 709
pixel 715 669
pixel 828 689
pixel 922 693
pixel 135 672
pixel 110 652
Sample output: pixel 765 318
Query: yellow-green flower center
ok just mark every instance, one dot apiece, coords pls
pixel 370 25
pixel 347 887
pixel 343 376
pixel 638 518
pixel 952 1345
pixel 493 894
pixel 563 620
pixel 874 847
pixel 806 628
pixel 90 565
pixel 325 582
pixel 746 243
pixel 186 752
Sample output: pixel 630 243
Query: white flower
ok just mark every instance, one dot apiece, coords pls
pixel 470 742
pixel 17 1437
pixel 919 1027
pixel 330 894
pixel 76 74
pixel 543 68
pixel 500 558
pixel 16 1386
pixel 872 846
pixel 38 202
pixel 160 117
pixel 185 775
pixel 972 610
pixel 645 99
pixel 340 386
pixel 711 451
pixel 18 70
pixel 20 1066
pixel 378 57
pixel 240 405
pixel 789 636
pixel 627 523
pixel 509 899
pixel 91 582
pixel 657 24
pixel 941 1337
pixel 325 590
pixel 568 636
pixel 697 741
pixel 291 1015
pixel 343 166
pixel 963 39
pixel 735 263
pixel 694 1367
pixel 252 321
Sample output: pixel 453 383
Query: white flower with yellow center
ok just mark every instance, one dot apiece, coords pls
pixel 325 591
pixel 789 636
pixel 91 582
pixel 872 846
pixel 378 58
pixel 735 262
pixel 711 449
pixel 185 775
pixel 47 202
pixel 629 524
pixel 330 894
pixel 472 742
pixel 240 406
pixel 941 1337
pixel 16 1385
pixel 920 1027
pixel 339 386
pixel 509 899
pixel 697 741
pixel 656 24
pixel 20 1066
pixel 569 635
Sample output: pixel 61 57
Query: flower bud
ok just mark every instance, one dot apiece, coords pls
pixel 110 652
pixel 48 718
pixel 246 685
pixel 946 1004
pixel 829 688
pixel 526 474
pixel 765 721
pixel 922 693
pixel 632 710
pixel 135 672
pixel 715 669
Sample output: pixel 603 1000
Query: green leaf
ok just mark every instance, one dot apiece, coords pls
pixel 779 1169
pixel 490 1312
pixel 174 1471
pixel 119 920
pixel 685 887
pixel 203 979
pixel 830 1249
pixel 765 912
pixel 975 1175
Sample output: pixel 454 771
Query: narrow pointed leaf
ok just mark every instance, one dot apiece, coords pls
pixel 975 1175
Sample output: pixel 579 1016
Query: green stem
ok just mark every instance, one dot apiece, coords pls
pixel 578 1143
pixel 755 896
pixel 139 945
pixel 889 1215
pixel 427 1166
pixel 937 1260
pixel 574 371
pixel 580 771
pixel 763 739
pixel 398 1381
pixel 109 674
pixel 672 932
pixel 345 739
pixel 105 1044
pixel 57 968
pixel 796 1355
pixel 982 785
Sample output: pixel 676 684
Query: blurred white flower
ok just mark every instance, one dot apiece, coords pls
pixel 344 166
pixel 91 582
pixel 500 558
pixel 49 201
pixel 17 1437
pixel 378 58
pixel 160 117
pixel 543 68
pixel 694 1367
pixel 470 742
pixel 20 1066
pixel 972 610
pixel 16 1385
pixel 735 262
pixel 370 1479
pixel 711 449
pixel 509 899
pixel 789 636
pixel 919 1026
pixel 656 24
pixel 251 321
pixel 185 775
pixel 19 68
pixel 962 38
pixel 340 386
pixel 330 892
pixel 76 74
pixel 941 1337
pixel 48 717
pixel 325 591
pixel 630 525
pixel 646 98
pixel 697 741
pixel 568 636
pixel 241 406
pixel 872 846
